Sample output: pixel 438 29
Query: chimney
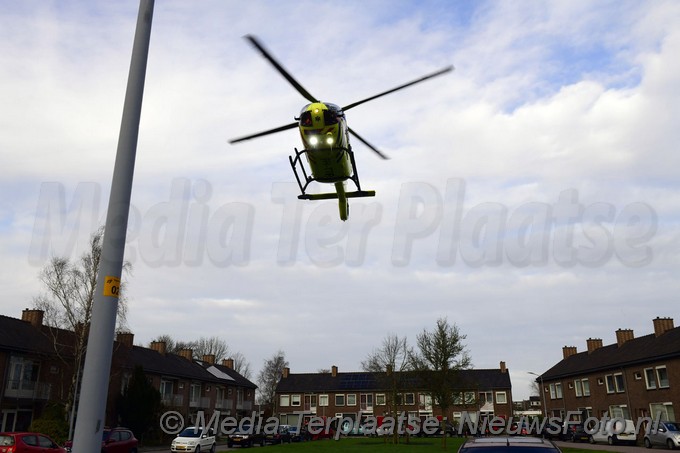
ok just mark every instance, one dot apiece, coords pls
pixel 662 325
pixel 187 353
pixel 125 338
pixel 159 346
pixel 334 371
pixel 388 369
pixel 286 372
pixel 34 317
pixel 623 335
pixel 593 344
pixel 209 358
pixel 229 363
pixel 568 351
pixel 503 368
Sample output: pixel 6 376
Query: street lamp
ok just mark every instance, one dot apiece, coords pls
pixel 542 392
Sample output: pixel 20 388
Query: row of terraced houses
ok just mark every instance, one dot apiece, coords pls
pixel 633 377
pixel 37 367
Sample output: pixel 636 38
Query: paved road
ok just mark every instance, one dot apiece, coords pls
pixel 604 447
pixel 582 445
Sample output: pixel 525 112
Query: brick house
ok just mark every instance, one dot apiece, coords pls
pixel 632 378
pixel 487 392
pixel 36 366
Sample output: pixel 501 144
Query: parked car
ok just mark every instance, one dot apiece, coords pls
pixel 194 440
pixel 508 444
pixel 245 436
pixel 519 429
pixel 615 432
pixel 283 435
pixel 114 440
pixel 296 436
pixel 666 434
pixel 573 431
pixel 28 443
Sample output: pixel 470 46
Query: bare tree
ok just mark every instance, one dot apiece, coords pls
pixel 390 364
pixel 211 346
pixel 172 346
pixel 441 355
pixel 269 377
pixel 241 365
pixel 207 346
pixel 67 305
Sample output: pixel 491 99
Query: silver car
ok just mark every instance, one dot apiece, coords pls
pixel 666 434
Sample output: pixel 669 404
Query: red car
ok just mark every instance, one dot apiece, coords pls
pixel 114 440
pixel 28 443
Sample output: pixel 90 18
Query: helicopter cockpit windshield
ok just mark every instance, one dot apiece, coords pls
pixel 331 115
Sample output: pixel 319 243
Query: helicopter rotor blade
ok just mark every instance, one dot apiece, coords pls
pixel 281 69
pixel 267 132
pixel 361 139
pixel 400 87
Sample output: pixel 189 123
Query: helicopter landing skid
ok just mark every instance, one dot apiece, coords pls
pixel 339 193
pixel 302 175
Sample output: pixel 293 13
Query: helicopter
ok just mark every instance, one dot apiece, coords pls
pixel 325 137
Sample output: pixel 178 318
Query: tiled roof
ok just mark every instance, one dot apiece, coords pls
pixel 21 336
pixel 232 374
pixel 171 365
pixel 326 382
pixel 648 348
pixel 17 335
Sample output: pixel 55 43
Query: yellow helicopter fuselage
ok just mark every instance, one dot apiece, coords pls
pixel 323 130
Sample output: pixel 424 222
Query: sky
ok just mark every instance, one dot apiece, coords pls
pixel 530 197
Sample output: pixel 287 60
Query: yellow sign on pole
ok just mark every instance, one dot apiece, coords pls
pixel 111 286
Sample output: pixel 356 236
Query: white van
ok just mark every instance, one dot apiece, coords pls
pixel 615 432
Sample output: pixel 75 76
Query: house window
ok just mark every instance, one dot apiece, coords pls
pixel 586 412
pixel 501 398
pixel 619 411
pixel 339 400
pixel 380 399
pixel 469 397
pixel 166 390
pixel 352 399
pixel 581 387
pixel 556 391
pixel 310 403
pixel 194 393
pixel 323 400
pixel 366 402
pixel 615 383
pixel 457 399
pixel 662 377
pixel 662 411
pixel 409 399
pixel 650 378
pixel 23 374
pixel 485 398
pixel 619 382
pixel 295 400
pixel 284 401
